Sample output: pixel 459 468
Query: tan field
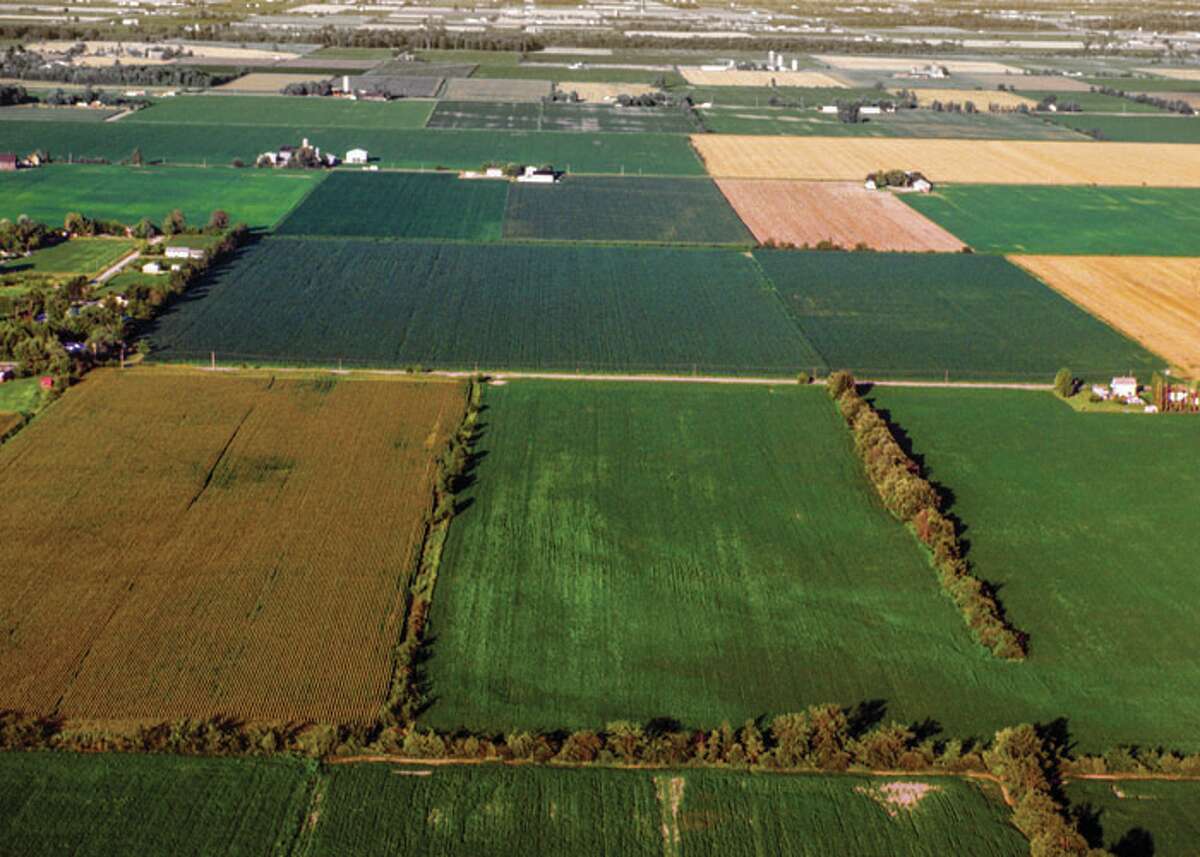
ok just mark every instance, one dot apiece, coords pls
pixel 980 97
pixel 1155 300
pixel 601 91
pixel 207 51
pixel 1032 82
pixel 1173 73
pixel 980 161
pixel 699 77
pixel 265 82
pixel 1192 98
pixel 842 212
pixel 905 63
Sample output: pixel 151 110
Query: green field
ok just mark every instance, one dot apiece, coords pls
pixel 559 71
pixel 589 118
pixel 501 58
pixel 1149 819
pixel 86 256
pixel 904 123
pixel 54 114
pixel 351 54
pixel 1067 220
pixel 624 209
pixel 494 306
pixel 256 197
pixel 1146 84
pixel 20 396
pixel 157 806
pixel 319 113
pixel 401 205
pixel 933 315
pixel 1095 102
pixel 1135 129
pixel 494 115
pixel 1085 522
pixel 795 97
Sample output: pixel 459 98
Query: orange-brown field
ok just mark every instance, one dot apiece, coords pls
pixel 185 545
pixel 969 161
pixel 1155 300
pixel 842 212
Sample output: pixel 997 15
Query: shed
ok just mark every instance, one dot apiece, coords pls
pixel 152 268
pixel 185 252
pixel 357 156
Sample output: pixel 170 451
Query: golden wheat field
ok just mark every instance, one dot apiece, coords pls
pixel 185 544
pixel 601 91
pixel 263 81
pixel 861 63
pixel 1155 300
pixel 970 161
pixel 700 77
pixel 981 98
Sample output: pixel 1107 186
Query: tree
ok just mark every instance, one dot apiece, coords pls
pixel 1064 383
pixel 76 224
pixel 839 382
pixel 145 229
pixel 219 221
pixel 174 223
pixel 136 158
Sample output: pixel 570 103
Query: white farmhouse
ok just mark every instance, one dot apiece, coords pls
pixel 1124 387
pixel 357 156
pixel 185 253
pixel 152 268
pixel 538 175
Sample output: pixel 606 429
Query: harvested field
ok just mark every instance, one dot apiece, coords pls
pixel 264 82
pixel 1151 299
pixel 800 122
pixel 1173 73
pixel 967 161
pixel 844 213
pixel 601 91
pixel 252 588
pixel 471 89
pixel 982 98
pixel 861 63
pixel 1190 98
pixel 1040 82
pixel 198 51
pixel 699 77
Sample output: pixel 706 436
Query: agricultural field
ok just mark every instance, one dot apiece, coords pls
pixel 1146 84
pixel 478 57
pixel 593 118
pixel 599 92
pixel 1041 83
pixel 287 111
pixel 960 316
pixel 506 116
pixel 591 74
pixel 903 64
pixel 401 205
pixel 1093 102
pixel 1152 300
pixel 403 68
pixel 970 161
pixel 982 98
pixel 844 213
pixel 379 54
pixel 263 82
pixel 255 197
pixel 1167 129
pixel 783 96
pixel 195 611
pixel 83 256
pixel 795 121
pixel 94 805
pixel 699 77
pixel 1128 817
pixel 1060 525
pixel 472 89
pixel 37 112
pixel 623 209
pixel 461 306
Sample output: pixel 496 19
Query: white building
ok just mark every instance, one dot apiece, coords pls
pixel 538 175
pixel 152 268
pixel 185 253
pixel 1124 387
pixel 357 156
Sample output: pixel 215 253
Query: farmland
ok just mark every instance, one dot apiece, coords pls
pixel 194 612
pixel 594 74
pixel 492 306
pixel 383 205
pixel 1153 300
pixel 1067 220
pixel 1130 817
pixel 973 317
pixel 589 118
pixel 795 121
pixel 473 89
pixel 1094 102
pixel 316 113
pixel 263 82
pixel 258 198
pixel 158 806
pixel 976 161
pixel 19 396
pixel 1136 129
pixel 624 209
pixel 86 256
pixel 39 113
pixel 507 116
pixel 982 99
pixel 800 79
pixel 846 214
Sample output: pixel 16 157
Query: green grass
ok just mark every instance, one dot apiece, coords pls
pixel 785 96
pixel 494 58
pixel 904 123
pixel 350 54
pixel 497 115
pixel 556 73
pixel 493 306
pixel 256 197
pixel 923 315
pixel 258 110
pixel 20 396
pixel 401 205
pixel 1158 819
pixel 624 209
pixel 54 114
pixel 1146 84
pixel 1135 129
pixel 1067 220
pixel 62 803
pixel 1085 523
pixel 126 280
pixel 1095 102
pixel 86 256
pixel 590 118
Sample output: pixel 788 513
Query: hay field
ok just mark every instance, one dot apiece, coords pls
pixel 199 51
pixel 1173 73
pixel 262 81
pixel 842 212
pixel 981 97
pixel 264 532
pixel 600 91
pixel 471 89
pixel 857 63
pixel 1151 299
pixel 1038 82
pixel 699 77
pixel 966 161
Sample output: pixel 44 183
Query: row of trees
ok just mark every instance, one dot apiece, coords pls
pixel 913 500
pixel 1175 105
pixel 16 62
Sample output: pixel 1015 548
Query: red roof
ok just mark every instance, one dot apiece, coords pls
pixel 8 157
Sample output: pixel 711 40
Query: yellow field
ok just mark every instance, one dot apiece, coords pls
pixel 978 161
pixel 1172 73
pixel 699 77
pixel 981 97
pixel 601 91
pixel 905 63
pixel 1154 300
pixel 262 81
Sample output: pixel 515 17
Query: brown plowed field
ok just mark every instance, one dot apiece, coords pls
pixel 842 212
pixel 967 161
pixel 184 544
pixel 1155 300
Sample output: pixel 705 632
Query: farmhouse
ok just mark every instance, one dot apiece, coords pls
pixel 357 156
pixel 8 162
pixel 184 253
pixel 539 175
pixel 152 268
pixel 1124 387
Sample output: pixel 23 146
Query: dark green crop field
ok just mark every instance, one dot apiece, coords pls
pixel 1134 129
pixel 1085 522
pixel 401 205
pixel 283 110
pixel 256 197
pixel 1067 220
pixel 1140 819
pixel 624 209
pixel 923 315
pixel 493 306
pixel 55 803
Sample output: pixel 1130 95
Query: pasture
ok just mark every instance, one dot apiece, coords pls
pixel 1092 102
pixel 1149 130
pixel 972 161
pixel 1127 817
pixel 41 113
pixel 196 610
pixel 889 315
pixel 95 805
pixel 1067 220
pixel 626 209
pixel 400 205
pixel 294 111
pixel 256 197
pixel 1091 551
pixel 83 256
pixel 983 99
pixel 461 306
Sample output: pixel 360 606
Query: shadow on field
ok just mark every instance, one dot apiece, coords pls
pixel 1135 842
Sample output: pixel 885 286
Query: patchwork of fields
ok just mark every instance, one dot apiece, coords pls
pixel 798 121
pixel 318 113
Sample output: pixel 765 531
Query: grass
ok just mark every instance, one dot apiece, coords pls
pixel 1146 84
pixel 1135 129
pixel 1083 522
pixel 256 197
pixel 20 396
pixel 401 205
pixel 492 306
pixel 54 803
pixel 904 123
pixel 1067 220
pixel 589 118
pixel 494 58
pixel 1148 818
pixel 54 114
pixel 624 209
pixel 84 256
pixel 493 115
pixel 937 315
pixel 350 54
pixel 269 110
pixel 1095 102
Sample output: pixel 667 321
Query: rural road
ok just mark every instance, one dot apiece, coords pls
pixel 122 264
